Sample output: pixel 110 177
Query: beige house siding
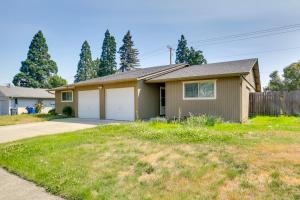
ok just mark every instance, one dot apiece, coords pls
pixel 246 89
pixel 148 100
pixel 60 105
pixel 226 105
pixel 250 78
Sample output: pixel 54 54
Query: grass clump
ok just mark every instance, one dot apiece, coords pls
pixel 202 120
pixel 144 167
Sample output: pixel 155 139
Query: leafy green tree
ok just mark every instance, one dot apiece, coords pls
pixel 128 54
pixel 291 76
pixel 276 83
pixel 182 51
pixel 86 66
pixel 56 81
pixel 196 57
pixel 38 66
pixel 108 63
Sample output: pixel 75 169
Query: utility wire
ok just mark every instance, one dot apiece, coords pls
pixel 246 38
pixel 264 52
pixel 235 37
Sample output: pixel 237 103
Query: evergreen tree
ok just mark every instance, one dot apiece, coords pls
pixel 195 57
pixel 108 57
pixel 97 65
pixel 85 68
pixel 182 51
pixel 38 66
pixel 276 83
pixel 128 54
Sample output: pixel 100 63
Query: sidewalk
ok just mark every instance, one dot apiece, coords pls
pixel 14 188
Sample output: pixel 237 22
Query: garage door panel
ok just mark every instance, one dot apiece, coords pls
pixel 120 104
pixel 88 104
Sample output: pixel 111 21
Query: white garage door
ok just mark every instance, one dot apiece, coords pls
pixel 120 103
pixel 88 104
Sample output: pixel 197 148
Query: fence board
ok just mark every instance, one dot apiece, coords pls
pixel 274 103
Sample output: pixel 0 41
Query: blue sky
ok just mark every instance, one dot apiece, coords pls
pixel 154 24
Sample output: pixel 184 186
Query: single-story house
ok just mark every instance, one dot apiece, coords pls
pixel 18 98
pixel 173 91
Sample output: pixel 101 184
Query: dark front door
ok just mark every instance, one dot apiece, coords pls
pixel 162 101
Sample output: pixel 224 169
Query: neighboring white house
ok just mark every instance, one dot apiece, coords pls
pixel 18 98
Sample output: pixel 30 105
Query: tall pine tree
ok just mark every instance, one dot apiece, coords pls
pixel 86 67
pixel 108 63
pixel 182 51
pixel 38 67
pixel 128 54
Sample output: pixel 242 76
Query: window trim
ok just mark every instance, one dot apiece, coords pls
pixel 214 81
pixel 61 95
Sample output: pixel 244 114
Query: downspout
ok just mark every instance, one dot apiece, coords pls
pixel 241 99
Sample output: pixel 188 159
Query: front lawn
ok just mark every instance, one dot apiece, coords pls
pixel 155 160
pixel 25 118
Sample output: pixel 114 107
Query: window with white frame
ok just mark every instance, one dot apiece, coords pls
pixel 67 96
pixel 199 90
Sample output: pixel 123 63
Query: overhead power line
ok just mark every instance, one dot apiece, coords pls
pixel 264 51
pixel 245 38
pixel 252 33
pixel 232 38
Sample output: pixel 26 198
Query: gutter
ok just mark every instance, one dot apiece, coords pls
pixel 196 77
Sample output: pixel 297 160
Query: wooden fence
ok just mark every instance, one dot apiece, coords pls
pixel 274 103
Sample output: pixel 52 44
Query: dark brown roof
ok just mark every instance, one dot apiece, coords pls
pixel 132 75
pixel 178 72
pixel 230 68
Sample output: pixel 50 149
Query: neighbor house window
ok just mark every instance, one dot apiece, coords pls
pixel 199 90
pixel 67 96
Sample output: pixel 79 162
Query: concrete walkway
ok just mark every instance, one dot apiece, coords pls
pixel 21 131
pixel 14 188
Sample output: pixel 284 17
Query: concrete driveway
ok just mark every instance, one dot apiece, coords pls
pixel 20 131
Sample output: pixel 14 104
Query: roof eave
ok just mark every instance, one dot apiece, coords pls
pixel 163 72
pixel 197 77
pixel 255 69
pixel 73 86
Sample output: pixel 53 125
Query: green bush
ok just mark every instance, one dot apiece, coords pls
pixel 68 111
pixel 202 120
pixel 52 112
pixel 38 107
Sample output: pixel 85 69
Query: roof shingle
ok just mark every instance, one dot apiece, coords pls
pixel 209 70
pixel 129 75
pixel 11 91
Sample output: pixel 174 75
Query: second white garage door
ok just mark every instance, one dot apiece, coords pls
pixel 119 103
pixel 88 104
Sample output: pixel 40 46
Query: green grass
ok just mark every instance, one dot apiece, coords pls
pixel 24 118
pixel 155 160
